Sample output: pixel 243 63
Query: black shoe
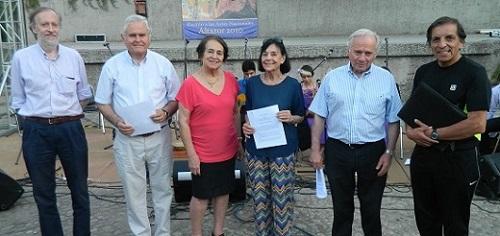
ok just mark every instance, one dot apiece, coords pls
pixel 219 234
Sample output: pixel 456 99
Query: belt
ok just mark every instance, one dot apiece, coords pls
pixel 353 146
pixel 53 120
pixel 151 133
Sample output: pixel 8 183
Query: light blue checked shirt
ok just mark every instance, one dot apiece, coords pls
pixel 495 101
pixel 357 109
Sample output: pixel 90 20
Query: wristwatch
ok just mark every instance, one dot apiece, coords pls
pixel 434 134
pixel 388 152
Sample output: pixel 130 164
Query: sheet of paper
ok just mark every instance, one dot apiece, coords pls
pixel 320 184
pixel 269 131
pixel 138 115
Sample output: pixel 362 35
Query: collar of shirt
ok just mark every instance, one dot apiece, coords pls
pixel 351 72
pixel 131 60
pixel 44 54
pixel 51 87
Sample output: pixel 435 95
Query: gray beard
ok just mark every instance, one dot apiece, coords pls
pixel 47 45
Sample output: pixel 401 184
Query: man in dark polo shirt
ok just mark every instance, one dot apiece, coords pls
pixel 444 165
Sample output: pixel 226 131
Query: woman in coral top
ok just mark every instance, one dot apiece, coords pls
pixel 207 112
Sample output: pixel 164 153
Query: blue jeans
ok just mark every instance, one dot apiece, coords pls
pixel 41 144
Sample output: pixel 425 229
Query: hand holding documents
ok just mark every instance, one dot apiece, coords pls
pixel 320 184
pixel 138 115
pixel 269 131
pixel 430 107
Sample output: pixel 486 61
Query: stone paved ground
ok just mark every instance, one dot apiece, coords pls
pixel 312 216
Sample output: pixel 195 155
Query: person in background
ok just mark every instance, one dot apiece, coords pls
pixel 49 88
pixel 208 122
pixel 248 69
pixel 271 170
pixel 356 101
pixel 444 163
pixel 309 89
pixel 136 76
pixel 490 137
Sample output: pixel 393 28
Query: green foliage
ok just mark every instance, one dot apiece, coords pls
pixel 32 3
pixel 495 77
pixel 94 4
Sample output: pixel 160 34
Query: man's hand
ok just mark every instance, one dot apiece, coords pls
pixel 159 116
pixel 194 164
pixel 125 128
pixel 420 134
pixel 384 162
pixel 316 159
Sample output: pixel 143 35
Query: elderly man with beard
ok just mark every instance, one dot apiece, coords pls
pixel 49 88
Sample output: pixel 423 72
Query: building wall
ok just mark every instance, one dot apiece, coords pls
pixel 405 55
pixel 290 18
pixel 310 30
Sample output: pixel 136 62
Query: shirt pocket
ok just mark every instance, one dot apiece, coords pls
pixel 158 87
pixel 66 84
pixel 333 100
pixel 374 104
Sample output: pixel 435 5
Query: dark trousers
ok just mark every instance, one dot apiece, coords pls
pixel 41 144
pixel 443 186
pixel 341 163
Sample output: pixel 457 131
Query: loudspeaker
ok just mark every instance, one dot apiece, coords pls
pixel 182 181
pixel 10 191
pixel 489 183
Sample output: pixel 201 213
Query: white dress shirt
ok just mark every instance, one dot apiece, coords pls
pixel 124 83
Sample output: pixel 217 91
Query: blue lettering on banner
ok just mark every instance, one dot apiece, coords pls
pixel 227 29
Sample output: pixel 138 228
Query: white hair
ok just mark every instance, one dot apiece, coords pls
pixel 135 18
pixel 362 33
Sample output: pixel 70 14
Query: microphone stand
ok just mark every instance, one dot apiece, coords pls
pixel 318 81
pixel 173 121
pixel 323 60
pixel 106 44
pixel 386 61
pixel 386 52
pixel 186 42
pixel 245 50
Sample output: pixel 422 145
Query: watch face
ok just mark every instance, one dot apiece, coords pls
pixel 434 135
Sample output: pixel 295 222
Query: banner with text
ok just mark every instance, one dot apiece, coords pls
pixel 230 19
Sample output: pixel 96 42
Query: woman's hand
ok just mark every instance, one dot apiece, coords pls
pixel 285 116
pixel 194 164
pixel 247 129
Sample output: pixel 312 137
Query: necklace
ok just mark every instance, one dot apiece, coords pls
pixel 212 84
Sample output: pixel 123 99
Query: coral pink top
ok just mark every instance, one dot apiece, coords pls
pixel 212 123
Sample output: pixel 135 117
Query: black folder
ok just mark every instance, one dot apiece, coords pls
pixel 430 107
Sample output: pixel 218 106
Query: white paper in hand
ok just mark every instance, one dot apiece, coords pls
pixel 320 184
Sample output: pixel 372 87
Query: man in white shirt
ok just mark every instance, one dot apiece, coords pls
pixel 135 76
